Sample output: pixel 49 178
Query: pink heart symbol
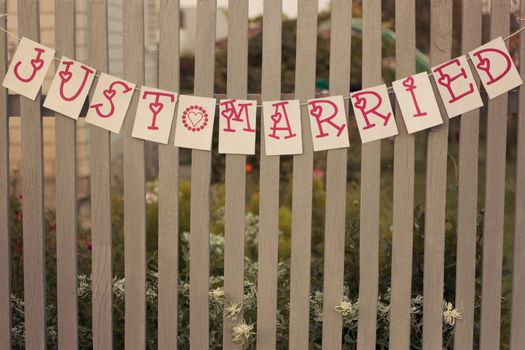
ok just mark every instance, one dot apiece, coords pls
pixel 37 63
pixel 156 107
pixel 484 64
pixel 276 117
pixel 408 82
pixel 360 103
pixel 316 111
pixel 65 75
pixel 195 118
pixel 444 80
pixel 110 94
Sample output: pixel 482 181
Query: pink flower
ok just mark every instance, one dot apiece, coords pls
pixel 89 247
pixel 318 172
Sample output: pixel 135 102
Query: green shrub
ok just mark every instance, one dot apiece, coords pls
pixel 349 306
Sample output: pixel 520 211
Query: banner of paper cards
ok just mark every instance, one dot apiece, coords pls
pixel 281 119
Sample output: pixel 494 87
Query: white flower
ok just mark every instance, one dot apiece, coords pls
pixel 232 310
pixel 450 315
pixel 184 288
pixel 152 197
pixel 151 294
pixel 418 300
pixel 216 294
pixel 242 332
pixel 84 286
pixel 345 307
pixel 118 287
pixel 383 308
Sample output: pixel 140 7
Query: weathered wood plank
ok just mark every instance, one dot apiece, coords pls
pixel 134 185
pixel 517 336
pixel 200 184
pixel 100 190
pixel 468 193
pixel 403 219
pixel 5 236
pixel 66 192
pixel 436 182
pixel 235 175
pixel 269 184
pixel 168 183
pixel 494 199
pixel 335 225
pixel 370 183
pixel 33 197
pixel 302 178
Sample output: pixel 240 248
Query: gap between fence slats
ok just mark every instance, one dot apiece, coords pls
pixel 370 183
pixel 269 184
pixel 134 185
pixel 494 214
pixel 168 245
pixel 467 193
pixel 100 155
pixel 5 235
pixel 436 182
pixel 403 205
pixel 66 191
pixel 302 179
pixel 200 184
pixel 235 175
pixel 336 169
pixel 517 336
pixel 33 196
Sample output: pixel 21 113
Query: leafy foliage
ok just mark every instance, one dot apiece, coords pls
pixel 349 304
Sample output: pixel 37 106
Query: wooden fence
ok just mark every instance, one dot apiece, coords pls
pixel 235 181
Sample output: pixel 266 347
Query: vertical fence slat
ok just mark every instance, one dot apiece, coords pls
pixel 168 183
pixel 517 336
pixel 302 179
pixel 269 184
pixel 33 196
pixel 66 191
pixel 467 193
pixel 334 238
pixel 5 237
pixel 200 183
pixel 370 182
pixel 100 190
pixel 494 199
pixel 436 182
pixel 134 185
pixel 235 181
pixel 403 219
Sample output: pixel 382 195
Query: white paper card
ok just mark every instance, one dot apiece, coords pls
pixel 282 127
pixel 495 67
pixel 110 103
pixel 373 113
pixel 328 123
pixel 28 68
pixel 194 124
pixel 154 116
pixel 457 87
pixel 237 121
pixel 417 102
pixel 69 88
